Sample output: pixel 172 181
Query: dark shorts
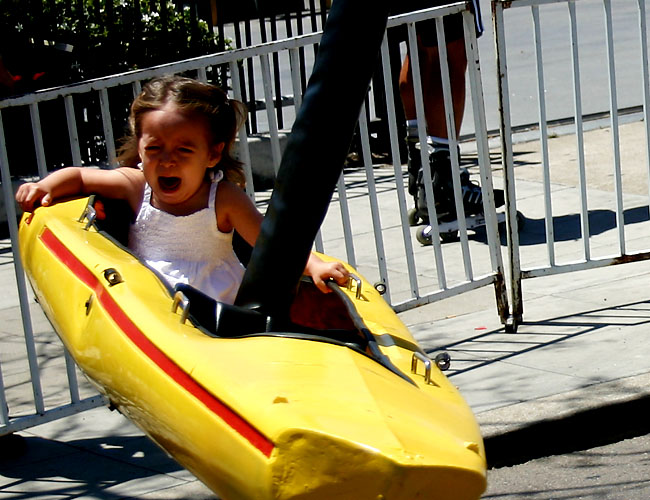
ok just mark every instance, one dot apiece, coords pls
pixel 426 30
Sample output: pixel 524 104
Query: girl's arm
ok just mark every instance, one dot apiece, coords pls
pixel 121 183
pixel 321 271
pixel 235 210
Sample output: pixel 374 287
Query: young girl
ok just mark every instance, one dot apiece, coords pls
pixel 180 179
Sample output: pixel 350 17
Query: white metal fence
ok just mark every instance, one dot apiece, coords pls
pixel 592 43
pixel 367 224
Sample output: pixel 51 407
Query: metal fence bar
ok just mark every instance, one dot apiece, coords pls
pixel 4 407
pixel 505 131
pixel 483 149
pixel 613 110
pixel 28 331
pixel 38 139
pixel 276 77
pixel 453 148
pixel 643 38
pixel 270 112
pixel 580 146
pixel 108 126
pixel 296 70
pixel 251 86
pixel 244 150
pixel 480 125
pixel 346 221
pixel 318 242
pixel 250 71
pixel 581 265
pixel 374 203
pixel 73 384
pixel 424 154
pixel 164 69
pixel 25 422
pixel 485 170
pixel 72 130
pixel 137 88
pixel 297 65
pixel 397 169
pixel 541 101
pixel 445 293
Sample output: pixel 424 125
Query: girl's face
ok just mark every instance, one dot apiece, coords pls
pixel 176 150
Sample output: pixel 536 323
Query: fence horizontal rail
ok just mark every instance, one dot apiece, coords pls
pixel 368 222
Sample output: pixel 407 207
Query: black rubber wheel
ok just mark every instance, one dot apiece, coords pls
pixel 413 218
pixel 424 239
pixel 443 361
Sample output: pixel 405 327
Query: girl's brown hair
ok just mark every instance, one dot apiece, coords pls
pixel 224 116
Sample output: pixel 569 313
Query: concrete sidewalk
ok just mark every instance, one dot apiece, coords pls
pixel 583 344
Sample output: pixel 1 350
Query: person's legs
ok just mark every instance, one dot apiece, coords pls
pixel 434 108
pixel 434 111
pixel 436 127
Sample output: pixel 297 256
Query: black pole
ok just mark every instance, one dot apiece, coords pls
pixel 315 154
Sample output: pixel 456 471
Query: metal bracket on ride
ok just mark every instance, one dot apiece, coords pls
pixel 89 214
pixel 427 365
pixel 357 280
pixel 89 303
pixel 184 302
pixel 112 276
pixel 442 361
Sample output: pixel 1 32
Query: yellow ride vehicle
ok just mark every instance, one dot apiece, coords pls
pixel 342 404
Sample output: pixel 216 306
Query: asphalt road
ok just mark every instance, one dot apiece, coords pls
pixel 616 471
pixel 598 453
pixel 557 63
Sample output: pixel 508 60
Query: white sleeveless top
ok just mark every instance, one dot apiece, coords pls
pixel 188 248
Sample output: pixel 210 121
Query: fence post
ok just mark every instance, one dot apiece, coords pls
pixel 505 129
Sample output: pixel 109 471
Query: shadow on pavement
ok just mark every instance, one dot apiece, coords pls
pixel 83 467
pixel 587 426
pixel 565 227
pixel 541 334
pixel 583 430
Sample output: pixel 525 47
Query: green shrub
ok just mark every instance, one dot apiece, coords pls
pixel 105 36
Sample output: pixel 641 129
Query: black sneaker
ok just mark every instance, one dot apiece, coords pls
pixel 443 189
pixel 414 162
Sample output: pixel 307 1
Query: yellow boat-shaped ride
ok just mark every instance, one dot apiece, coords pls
pixel 286 394
pixel 346 405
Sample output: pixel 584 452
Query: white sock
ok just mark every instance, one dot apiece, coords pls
pixel 412 129
pixel 439 143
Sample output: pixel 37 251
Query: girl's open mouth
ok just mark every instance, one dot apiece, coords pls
pixel 168 184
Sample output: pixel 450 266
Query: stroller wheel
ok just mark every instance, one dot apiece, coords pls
pixel 423 235
pixel 413 218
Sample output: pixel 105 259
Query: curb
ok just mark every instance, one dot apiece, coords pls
pixel 592 416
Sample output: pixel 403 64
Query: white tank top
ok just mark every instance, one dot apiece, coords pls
pixel 188 249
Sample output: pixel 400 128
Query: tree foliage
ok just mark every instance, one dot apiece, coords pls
pixel 74 40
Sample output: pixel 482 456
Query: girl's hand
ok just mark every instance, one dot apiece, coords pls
pixel 32 194
pixel 321 271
